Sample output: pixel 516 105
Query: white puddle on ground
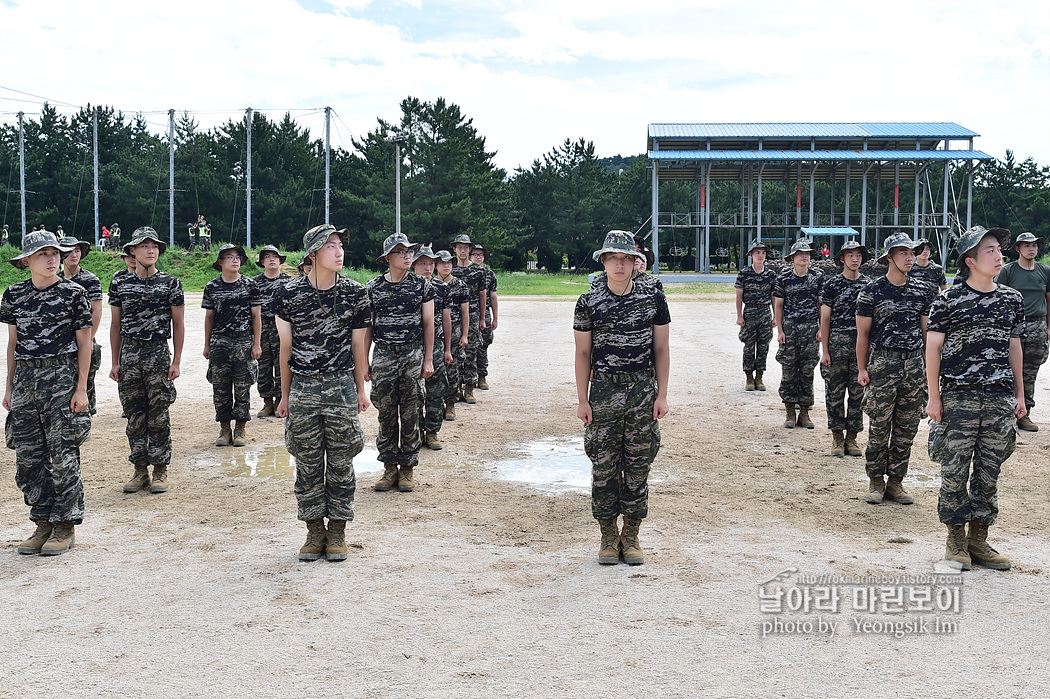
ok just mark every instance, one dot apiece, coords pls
pixel 552 464
pixel 274 461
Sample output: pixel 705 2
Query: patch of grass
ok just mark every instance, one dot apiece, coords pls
pixel 541 284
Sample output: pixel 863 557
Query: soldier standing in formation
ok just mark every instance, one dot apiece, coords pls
pixel 838 337
pixel 622 365
pixel 489 315
pixel 973 370
pixel 148 309
pixel 754 295
pixel 891 331
pixel 402 357
pixel 232 342
pixel 474 277
pixel 459 311
pixel 72 271
pixel 48 356
pixel 432 412
pixel 796 314
pixel 323 320
pixel 267 283
pixel 1032 279
pixel 925 269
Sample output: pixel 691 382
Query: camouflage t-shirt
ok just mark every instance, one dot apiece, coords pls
pixel 621 327
pixel 145 304
pixel 932 273
pixel 758 290
pixel 117 276
pixel 977 328
pixel 268 292
pixel 474 277
pixel 457 295
pixel 46 320
pixel 491 286
pixel 896 312
pixel 397 308
pixel 801 295
pixel 840 295
pixel 92 284
pixel 441 302
pixel 232 303
pixel 322 323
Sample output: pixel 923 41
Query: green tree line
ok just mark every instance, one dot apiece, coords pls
pixel 554 211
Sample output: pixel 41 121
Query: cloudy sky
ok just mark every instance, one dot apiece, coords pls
pixel 533 73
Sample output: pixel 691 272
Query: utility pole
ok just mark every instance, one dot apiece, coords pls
pixel 397 140
pixel 327 163
pixel 22 170
pixel 94 147
pixel 171 178
pixel 248 215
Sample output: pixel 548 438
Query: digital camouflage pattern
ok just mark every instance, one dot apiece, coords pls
pixel 232 303
pixel 46 320
pixel 758 291
pixel 798 358
pixel 895 401
pixel 145 395
pixel 397 308
pixel 323 433
pixel 492 287
pixel 231 372
pixel 441 302
pixel 896 312
pixel 840 380
pixel 621 327
pixel 322 323
pixel 436 392
pixel 840 295
pixel 756 335
pixel 932 273
pixel 93 286
pixel 1034 352
pixel 117 276
pixel 622 441
pixel 801 295
pixel 90 283
pixel 978 429
pixel 145 305
pixel 474 277
pixel 270 360
pixel 397 393
pixel 267 290
pixel 46 436
pixel 977 328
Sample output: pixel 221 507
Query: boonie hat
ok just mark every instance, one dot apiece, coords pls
pixel 1027 237
pixel 897 240
pixel 426 251
pixel 801 246
pixel 36 241
pixel 756 244
pixel 865 254
pixel 142 234
pixel 71 242
pixel 269 248
pixel 484 250
pixel 621 242
pixel 972 237
pixel 317 236
pixel 444 255
pixel 920 244
pixel 461 238
pixel 226 247
pixel 392 241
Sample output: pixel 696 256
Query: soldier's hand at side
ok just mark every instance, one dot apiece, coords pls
pixel 114 373
pixel 7 399
pixel 660 408
pixel 782 338
pixel 825 359
pixel 482 325
pixel 428 368
pixel 1021 410
pixel 935 409
pixel 256 351
pixel 862 377
pixel 448 358
pixel 368 374
pixel 584 412
pixel 207 352
pixel 173 371
pixel 362 402
pixel 494 324
pixel 79 401
pixel 740 321
pixel 282 407
pixel 818 336
pixel 462 340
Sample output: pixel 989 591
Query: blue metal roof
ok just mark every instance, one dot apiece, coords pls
pixel 832 230
pixel 725 156
pixel 879 130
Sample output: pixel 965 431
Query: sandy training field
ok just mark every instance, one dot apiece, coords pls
pixel 766 572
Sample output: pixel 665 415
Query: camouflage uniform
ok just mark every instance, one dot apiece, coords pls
pixel 457 295
pixel 623 438
pixel 323 431
pixel 1033 286
pixel 895 397
pixel 757 332
pixel 932 273
pixel 799 355
pixel 840 295
pixel 397 364
pixel 474 277
pixel 976 383
pixel 231 370
pixel 93 286
pixel 42 429
pixel 144 389
pixel 270 360
pixel 432 413
pixel 490 285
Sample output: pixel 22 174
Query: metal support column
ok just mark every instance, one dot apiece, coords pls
pixel 22 173
pixel 849 185
pixel 94 148
pixel 656 214
pixel 171 178
pixel 699 218
pixel 864 206
pixel 896 195
pixel 248 191
pixel 705 195
pixel 812 186
pixel 327 163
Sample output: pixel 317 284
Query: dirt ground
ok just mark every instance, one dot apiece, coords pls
pixel 473 586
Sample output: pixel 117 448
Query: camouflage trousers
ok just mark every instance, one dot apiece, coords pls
pixel 468 370
pixel 146 394
pixel 756 335
pixel 452 370
pixel 96 362
pixel 894 399
pixel 232 373
pixel 324 435
pixel 397 394
pixel 270 362
pixel 486 341
pixel 432 411
pixel 1034 351
pixel 798 357
pixel 46 436
pixel 621 442
pixel 978 428
pixel 841 378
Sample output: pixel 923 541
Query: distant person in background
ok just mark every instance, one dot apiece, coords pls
pixel 489 312
pixel 192 232
pixel 754 296
pixel 825 252
pixel 204 234
pixel 104 243
pixel 4 235
pixel 796 315
pixel 272 278
pixel 925 269
pixel 115 231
